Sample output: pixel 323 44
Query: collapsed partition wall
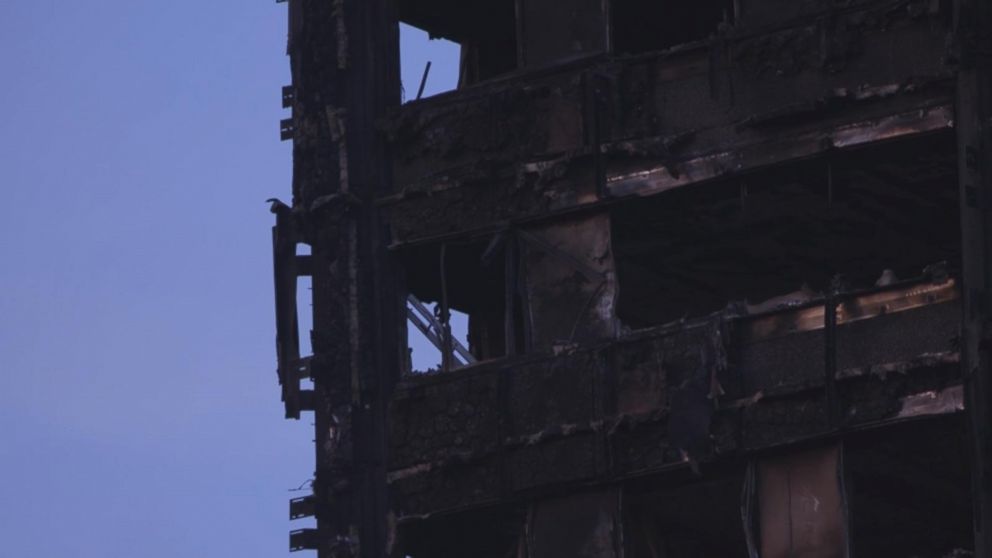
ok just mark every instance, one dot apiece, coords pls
pixel 723 268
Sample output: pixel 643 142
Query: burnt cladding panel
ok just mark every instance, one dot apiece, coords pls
pixel 898 337
pixel 430 423
pixel 455 486
pixel 549 394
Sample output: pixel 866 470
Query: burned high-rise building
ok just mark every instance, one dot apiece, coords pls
pixel 725 265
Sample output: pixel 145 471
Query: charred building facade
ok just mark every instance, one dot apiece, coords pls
pixel 725 265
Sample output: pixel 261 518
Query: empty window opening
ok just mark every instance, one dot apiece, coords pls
pixel 417 50
pixel 475 289
pixel 684 520
pixel 495 532
pixel 556 32
pixel 652 25
pixel 577 524
pixel 304 305
pixel 909 488
pixel 478 41
pixel 780 236
pixel 486 58
pixel 304 313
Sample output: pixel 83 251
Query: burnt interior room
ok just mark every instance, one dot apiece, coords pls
pixel 789 229
pixel 652 25
pixel 486 31
pixel 909 491
pixel 474 283
pixel 687 520
pixel 486 533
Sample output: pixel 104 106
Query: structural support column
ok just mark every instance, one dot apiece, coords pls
pixel 345 60
pixel 974 111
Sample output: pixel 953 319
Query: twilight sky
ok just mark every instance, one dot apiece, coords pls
pixel 139 411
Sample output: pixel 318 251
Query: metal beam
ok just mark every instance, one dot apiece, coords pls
pixel 421 317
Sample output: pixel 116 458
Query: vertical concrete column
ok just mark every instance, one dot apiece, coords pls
pixel 973 34
pixel 345 61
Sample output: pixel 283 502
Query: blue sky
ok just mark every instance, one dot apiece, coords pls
pixel 139 412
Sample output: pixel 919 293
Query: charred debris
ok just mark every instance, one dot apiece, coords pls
pixel 724 262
